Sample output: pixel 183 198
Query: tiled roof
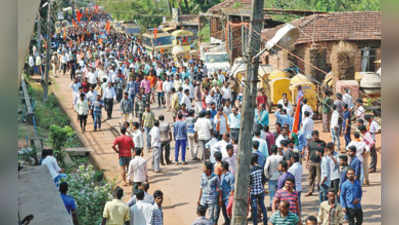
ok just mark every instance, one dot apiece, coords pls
pixel 227 4
pixel 335 26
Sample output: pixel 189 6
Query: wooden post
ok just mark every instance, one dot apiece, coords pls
pixel 247 117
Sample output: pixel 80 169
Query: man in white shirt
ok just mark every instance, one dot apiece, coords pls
pixel 51 163
pixel 334 127
pixel 156 146
pixel 307 127
pixel 137 171
pixel 296 170
pixel 234 121
pixel 221 122
pixel 202 129
pixel 167 88
pixel 360 111
pixel 186 100
pixel 222 145
pixel 141 212
pixel 31 64
pixel 91 77
pixel 306 107
pixel 272 172
pixel 137 135
pixel 362 153
pixel 347 99
pixel 231 158
pixel 109 95
pixel 226 92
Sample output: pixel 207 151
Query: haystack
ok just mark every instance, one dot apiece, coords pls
pixel 342 59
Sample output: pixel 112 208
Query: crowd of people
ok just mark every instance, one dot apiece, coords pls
pixel 203 117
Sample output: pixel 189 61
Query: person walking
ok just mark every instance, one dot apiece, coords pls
pixel 287 193
pixel 69 202
pixel 109 96
pixel 203 129
pixel 116 212
pixel 137 173
pixel 125 146
pixel 141 212
pixel 296 170
pixel 330 211
pixel 283 216
pixel 166 138
pixel 370 142
pixel 155 146
pixel 354 162
pixel 346 124
pixel 271 171
pixel 335 127
pixel 210 193
pixel 190 121
pixel 227 186
pixel 327 103
pixel 126 108
pixel 313 159
pixel 180 135
pixel 137 136
pixel 234 120
pixel 362 153
pixel 256 190
pixel 139 108
pixel 157 214
pixel 148 120
pixel 350 197
pixel 82 108
pixel 96 108
pixel 325 177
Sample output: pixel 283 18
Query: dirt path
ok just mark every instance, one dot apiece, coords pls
pixel 180 184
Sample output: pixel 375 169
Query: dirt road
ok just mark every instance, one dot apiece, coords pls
pixel 180 184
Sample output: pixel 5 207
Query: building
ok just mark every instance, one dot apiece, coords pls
pixel 320 32
pixel 229 22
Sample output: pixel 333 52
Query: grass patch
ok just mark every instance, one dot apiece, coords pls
pixel 49 113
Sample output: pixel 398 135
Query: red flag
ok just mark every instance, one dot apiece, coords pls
pixel 297 118
pixel 108 26
pixel 155 32
pixel 78 15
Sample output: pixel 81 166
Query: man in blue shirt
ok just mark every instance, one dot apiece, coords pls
pixel 69 202
pixel 180 134
pixel 255 150
pixel 227 186
pixel 350 197
pixel 354 162
pixel 325 168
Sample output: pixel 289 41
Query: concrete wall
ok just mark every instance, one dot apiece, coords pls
pixel 38 195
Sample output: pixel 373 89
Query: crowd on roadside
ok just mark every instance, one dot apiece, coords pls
pixel 109 68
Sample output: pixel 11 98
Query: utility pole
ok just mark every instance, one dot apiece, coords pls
pixel 247 117
pixel 39 37
pixel 73 8
pixel 45 84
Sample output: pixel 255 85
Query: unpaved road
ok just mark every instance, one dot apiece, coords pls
pixel 180 184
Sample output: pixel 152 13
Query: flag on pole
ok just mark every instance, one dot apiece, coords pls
pixel 108 26
pixel 78 15
pixel 155 32
pixel 297 118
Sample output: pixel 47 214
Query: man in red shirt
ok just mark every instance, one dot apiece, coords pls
pixel 125 146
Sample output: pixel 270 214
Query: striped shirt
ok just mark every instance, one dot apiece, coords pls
pixel 290 219
pixel 291 197
pixel 157 215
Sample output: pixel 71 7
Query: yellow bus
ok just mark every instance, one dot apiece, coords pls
pixel 161 42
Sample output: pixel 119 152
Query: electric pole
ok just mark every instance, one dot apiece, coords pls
pixel 45 85
pixel 240 207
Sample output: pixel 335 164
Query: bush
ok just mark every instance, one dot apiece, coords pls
pixel 58 137
pixel 89 193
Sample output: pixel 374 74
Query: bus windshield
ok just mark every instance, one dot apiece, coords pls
pixel 167 40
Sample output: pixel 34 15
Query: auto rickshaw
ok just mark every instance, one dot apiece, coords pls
pixel 308 88
pixel 279 83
